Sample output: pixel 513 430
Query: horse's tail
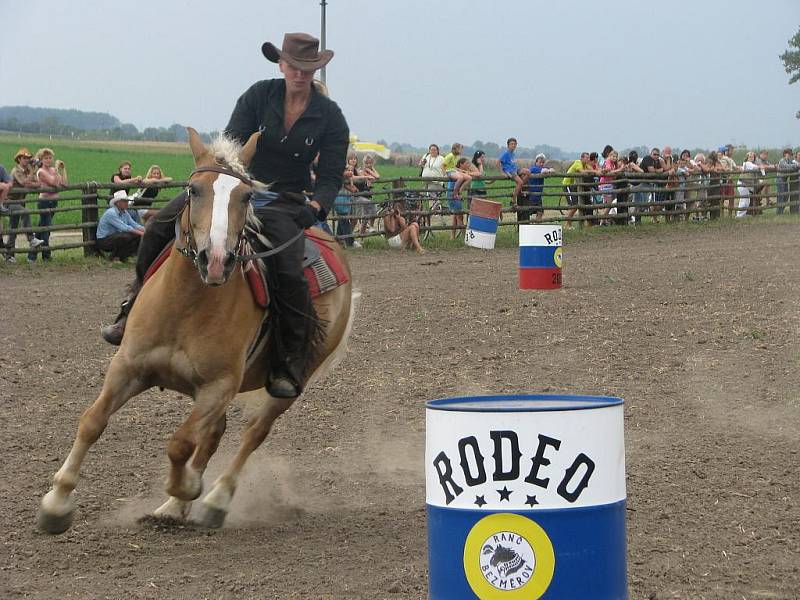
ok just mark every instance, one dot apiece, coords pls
pixel 335 357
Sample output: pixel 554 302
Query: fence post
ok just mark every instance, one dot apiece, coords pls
pixel 89 215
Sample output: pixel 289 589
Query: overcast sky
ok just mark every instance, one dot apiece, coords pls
pixel 575 74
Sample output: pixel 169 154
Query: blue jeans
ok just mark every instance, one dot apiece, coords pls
pixel 45 220
pixel 783 194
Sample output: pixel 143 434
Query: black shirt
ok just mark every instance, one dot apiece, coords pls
pixel 283 158
pixel 649 161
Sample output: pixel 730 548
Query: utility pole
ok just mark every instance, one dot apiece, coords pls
pixel 323 4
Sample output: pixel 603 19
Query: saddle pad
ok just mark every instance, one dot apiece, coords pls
pixel 326 272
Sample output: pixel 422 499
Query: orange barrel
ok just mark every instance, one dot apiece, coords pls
pixel 540 257
pixel 482 223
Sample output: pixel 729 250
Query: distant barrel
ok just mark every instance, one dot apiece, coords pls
pixel 540 257
pixel 525 497
pixel 482 223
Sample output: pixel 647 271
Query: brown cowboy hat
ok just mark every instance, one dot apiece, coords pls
pixel 300 51
pixel 22 152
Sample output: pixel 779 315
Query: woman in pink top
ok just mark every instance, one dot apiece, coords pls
pixel 49 176
pixel 611 168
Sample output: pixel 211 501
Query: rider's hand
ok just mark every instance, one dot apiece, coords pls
pixel 306 216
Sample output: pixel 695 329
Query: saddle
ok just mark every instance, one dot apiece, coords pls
pixel 323 270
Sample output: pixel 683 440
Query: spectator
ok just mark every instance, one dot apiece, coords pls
pixel 24 176
pixel 611 169
pixel 144 196
pixel 761 195
pixel 715 170
pixel 6 183
pixel 652 165
pixel 459 178
pixel 432 166
pixel 748 183
pixel 477 170
pixel 51 177
pixel 454 203
pixel 670 182
pixel 725 156
pixel 632 170
pixel 535 189
pixel 509 168
pixel 401 234
pixel 343 204
pixel 363 179
pixel 702 184
pixel 589 187
pixel 684 169
pixel 117 232
pixel 357 185
pixel 786 167
pixel 571 187
pixel 123 175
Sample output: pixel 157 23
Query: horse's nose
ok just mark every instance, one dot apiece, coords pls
pixel 217 263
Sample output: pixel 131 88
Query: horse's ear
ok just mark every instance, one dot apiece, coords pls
pixel 196 144
pixel 249 149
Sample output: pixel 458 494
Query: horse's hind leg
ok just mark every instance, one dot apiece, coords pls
pixel 218 500
pixel 197 439
pixel 57 506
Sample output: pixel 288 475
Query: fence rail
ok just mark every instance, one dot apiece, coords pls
pixel 631 199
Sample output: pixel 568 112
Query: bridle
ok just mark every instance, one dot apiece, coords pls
pixel 189 247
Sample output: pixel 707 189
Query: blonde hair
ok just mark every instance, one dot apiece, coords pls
pixel 42 152
pixel 152 168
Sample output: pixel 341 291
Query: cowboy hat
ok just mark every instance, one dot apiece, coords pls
pixel 22 152
pixel 118 197
pixel 299 50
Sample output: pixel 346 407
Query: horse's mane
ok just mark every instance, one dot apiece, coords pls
pixel 226 151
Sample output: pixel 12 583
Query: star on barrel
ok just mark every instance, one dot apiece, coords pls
pixel 479 500
pixel 505 494
pixel 531 501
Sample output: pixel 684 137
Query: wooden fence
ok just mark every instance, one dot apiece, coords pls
pixel 633 199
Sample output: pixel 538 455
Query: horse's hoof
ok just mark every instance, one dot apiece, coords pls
pixel 55 524
pixel 212 518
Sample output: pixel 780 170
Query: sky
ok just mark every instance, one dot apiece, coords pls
pixel 577 75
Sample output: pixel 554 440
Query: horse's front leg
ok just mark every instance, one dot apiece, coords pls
pixel 57 506
pixel 218 500
pixel 197 439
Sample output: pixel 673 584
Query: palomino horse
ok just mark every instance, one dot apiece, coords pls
pixel 190 331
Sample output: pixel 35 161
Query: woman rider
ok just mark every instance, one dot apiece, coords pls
pixel 297 122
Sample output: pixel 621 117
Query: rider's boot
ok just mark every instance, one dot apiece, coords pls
pixel 114 333
pixel 296 326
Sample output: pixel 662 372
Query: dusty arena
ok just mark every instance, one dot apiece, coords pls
pixel 695 327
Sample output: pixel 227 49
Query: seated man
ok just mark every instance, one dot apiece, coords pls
pixel 117 232
pixel 399 233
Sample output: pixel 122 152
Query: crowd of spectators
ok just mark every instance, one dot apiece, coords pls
pixel 606 188
pixel 42 170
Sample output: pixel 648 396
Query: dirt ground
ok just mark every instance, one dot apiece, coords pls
pixel 696 328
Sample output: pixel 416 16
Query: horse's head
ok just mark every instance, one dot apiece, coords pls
pixel 217 205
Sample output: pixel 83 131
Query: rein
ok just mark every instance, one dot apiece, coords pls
pixel 189 250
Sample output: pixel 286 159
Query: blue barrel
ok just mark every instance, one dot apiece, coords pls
pixel 525 497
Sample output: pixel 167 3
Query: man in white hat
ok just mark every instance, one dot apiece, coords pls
pixel 117 232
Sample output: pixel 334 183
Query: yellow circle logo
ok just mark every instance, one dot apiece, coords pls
pixel 557 257
pixel 508 557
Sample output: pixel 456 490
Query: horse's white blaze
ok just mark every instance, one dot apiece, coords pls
pixel 223 186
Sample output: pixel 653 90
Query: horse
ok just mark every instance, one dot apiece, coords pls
pixel 191 330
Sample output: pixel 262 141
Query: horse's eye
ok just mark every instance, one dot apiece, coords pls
pixel 193 189
pixel 246 198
